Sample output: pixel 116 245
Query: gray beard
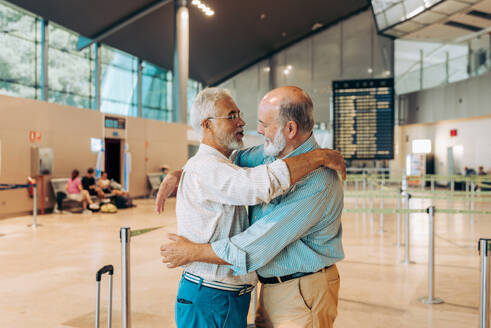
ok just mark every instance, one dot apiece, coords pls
pixel 230 142
pixel 273 148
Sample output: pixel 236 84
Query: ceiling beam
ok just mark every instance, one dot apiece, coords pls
pixel 84 42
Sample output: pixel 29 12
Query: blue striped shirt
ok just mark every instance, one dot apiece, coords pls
pixel 299 231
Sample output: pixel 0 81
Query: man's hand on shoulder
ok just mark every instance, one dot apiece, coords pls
pixel 334 160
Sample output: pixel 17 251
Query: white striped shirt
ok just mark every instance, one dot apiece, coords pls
pixel 210 200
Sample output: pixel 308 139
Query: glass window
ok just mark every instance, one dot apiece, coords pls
pixel 119 77
pixel 395 14
pixel 156 95
pixel 70 72
pixel 20 52
pixel 194 87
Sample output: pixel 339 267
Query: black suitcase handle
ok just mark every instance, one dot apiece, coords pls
pixel 108 268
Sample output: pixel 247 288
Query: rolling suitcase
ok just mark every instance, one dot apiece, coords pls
pixel 106 269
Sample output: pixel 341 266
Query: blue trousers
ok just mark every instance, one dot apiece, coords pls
pixel 203 307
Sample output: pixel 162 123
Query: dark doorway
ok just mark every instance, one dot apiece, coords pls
pixel 112 159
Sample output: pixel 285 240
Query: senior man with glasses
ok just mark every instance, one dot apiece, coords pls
pixel 210 207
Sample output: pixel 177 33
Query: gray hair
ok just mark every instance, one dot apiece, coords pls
pixel 204 106
pixel 300 111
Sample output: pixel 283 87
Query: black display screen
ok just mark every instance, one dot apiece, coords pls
pixel 364 118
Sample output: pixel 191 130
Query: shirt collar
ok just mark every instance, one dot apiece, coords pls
pixel 205 149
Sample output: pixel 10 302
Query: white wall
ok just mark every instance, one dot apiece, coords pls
pixel 467 98
pixel 473 134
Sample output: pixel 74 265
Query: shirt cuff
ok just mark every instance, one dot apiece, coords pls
pixel 282 173
pixel 230 253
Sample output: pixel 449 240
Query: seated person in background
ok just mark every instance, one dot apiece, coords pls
pixel 75 192
pixel 105 185
pixel 88 183
pixel 165 170
pixel 469 171
pixel 481 171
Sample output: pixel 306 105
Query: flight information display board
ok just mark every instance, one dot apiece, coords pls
pixel 364 118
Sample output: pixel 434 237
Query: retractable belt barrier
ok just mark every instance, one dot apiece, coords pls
pixel 414 195
pixel 411 210
pixel 7 186
pixel 426 177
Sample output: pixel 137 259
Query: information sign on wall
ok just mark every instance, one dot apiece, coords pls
pixel 34 136
pixel 364 118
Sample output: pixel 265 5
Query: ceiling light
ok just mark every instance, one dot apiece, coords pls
pixel 286 71
pixel 204 8
pixel 289 67
pixel 316 26
pixel 370 70
pixel 263 16
pixel 267 69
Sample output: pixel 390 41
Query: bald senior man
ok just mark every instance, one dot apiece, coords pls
pixel 209 208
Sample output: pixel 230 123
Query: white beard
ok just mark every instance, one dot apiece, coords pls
pixel 230 142
pixel 273 148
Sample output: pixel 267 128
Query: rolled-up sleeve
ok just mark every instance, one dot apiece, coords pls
pixel 227 183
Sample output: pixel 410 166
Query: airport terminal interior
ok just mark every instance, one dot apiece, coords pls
pixel 402 88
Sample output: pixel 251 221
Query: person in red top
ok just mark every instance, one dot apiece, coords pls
pixel 76 192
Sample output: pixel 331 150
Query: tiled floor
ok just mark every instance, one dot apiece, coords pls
pixel 47 276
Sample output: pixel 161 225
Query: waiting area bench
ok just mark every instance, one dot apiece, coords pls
pixel 154 183
pixel 58 186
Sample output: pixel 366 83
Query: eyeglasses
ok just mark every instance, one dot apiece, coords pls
pixel 231 117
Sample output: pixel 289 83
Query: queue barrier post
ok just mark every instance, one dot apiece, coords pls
pixel 473 187
pixel 364 189
pixel 382 206
pixel 431 299
pixel 399 221
pixel 356 190
pixel 34 224
pixel 484 250
pixel 407 259
pixel 35 206
pixel 372 197
pixel 125 236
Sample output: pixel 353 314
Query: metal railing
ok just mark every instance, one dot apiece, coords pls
pixel 448 71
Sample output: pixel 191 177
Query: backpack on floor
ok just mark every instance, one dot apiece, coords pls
pixel 123 202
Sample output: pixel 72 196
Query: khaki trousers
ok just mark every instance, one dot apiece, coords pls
pixel 309 301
